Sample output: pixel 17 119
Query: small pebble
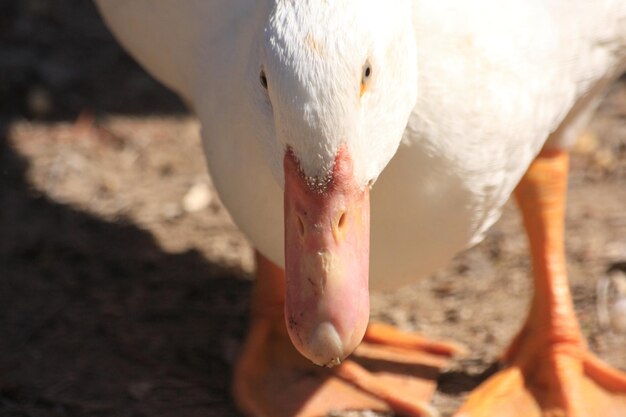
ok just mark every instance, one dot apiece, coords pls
pixel 39 101
pixel 140 390
pixel 197 198
pixel 611 299
pixel 618 316
pixel 587 143
pixel 171 211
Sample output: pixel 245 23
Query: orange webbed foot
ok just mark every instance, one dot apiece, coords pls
pixel 273 379
pixel 551 372
pixel 563 379
pixel 390 371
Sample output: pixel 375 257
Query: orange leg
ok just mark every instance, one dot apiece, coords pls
pixel 272 379
pixel 550 371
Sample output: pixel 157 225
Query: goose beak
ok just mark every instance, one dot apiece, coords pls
pixel 326 261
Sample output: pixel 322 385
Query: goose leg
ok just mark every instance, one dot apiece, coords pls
pixel 550 370
pixel 272 379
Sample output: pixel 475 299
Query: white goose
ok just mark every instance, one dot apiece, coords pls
pixel 444 104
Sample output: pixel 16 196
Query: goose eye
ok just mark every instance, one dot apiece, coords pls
pixel 367 72
pixel 263 79
pixel 365 77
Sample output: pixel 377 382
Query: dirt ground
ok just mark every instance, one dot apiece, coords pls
pixel 124 286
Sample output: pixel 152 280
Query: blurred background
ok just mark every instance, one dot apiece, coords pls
pixel 124 286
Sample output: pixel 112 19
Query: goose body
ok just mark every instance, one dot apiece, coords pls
pixel 495 80
pixel 328 125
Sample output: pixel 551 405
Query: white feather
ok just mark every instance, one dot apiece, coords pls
pixel 469 91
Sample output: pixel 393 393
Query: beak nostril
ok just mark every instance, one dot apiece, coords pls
pixel 342 221
pixel 300 226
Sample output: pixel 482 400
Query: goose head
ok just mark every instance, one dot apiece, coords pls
pixel 335 84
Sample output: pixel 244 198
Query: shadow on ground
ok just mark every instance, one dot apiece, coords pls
pixel 95 317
